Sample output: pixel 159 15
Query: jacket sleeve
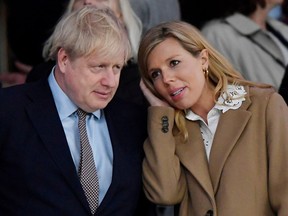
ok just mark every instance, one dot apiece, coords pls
pixel 277 144
pixel 164 183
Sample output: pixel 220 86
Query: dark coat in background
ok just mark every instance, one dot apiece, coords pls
pixel 283 90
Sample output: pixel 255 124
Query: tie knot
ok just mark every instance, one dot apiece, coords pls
pixel 81 113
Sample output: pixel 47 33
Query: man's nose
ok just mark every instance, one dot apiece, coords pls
pixel 110 78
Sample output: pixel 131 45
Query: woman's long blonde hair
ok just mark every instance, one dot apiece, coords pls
pixel 221 72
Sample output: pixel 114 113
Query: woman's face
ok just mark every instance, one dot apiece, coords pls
pixel 113 4
pixel 177 75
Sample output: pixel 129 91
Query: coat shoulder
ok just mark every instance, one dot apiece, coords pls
pixel 264 96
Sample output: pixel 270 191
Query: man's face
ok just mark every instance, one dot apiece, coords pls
pixel 90 82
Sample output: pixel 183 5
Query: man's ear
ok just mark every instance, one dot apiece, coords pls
pixel 62 59
pixel 204 58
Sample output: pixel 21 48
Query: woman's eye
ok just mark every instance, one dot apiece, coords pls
pixel 174 63
pixel 155 74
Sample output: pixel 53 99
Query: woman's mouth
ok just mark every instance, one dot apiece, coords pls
pixel 177 92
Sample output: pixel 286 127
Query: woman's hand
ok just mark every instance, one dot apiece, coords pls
pixel 152 99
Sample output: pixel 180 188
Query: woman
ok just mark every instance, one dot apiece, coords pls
pixel 256 44
pixel 217 143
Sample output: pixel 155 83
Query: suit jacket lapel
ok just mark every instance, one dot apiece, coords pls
pixel 117 155
pixel 230 127
pixel 113 121
pixel 192 155
pixel 50 130
pixel 120 142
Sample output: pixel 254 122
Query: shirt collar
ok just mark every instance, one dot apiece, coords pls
pixel 65 106
pixel 190 115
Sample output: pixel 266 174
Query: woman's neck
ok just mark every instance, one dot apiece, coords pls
pixel 205 104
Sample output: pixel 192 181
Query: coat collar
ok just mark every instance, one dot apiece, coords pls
pixel 192 153
pixel 192 156
pixel 242 24
pixel 230 127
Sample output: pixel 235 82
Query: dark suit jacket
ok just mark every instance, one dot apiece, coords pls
pixel 283 90
pixel 37 174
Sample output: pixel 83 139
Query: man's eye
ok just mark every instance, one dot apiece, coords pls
pixel 117 68
pixel 174 63
pixel 155 74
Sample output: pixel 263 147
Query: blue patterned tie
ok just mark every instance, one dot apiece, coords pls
pixel 87 170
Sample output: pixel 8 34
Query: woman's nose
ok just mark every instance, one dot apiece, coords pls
pixel 167 77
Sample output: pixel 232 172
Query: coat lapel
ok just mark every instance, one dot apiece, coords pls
pixel 230 127
pixel 117 155
pixel 114 121
pixel 51 132
pixel 192 156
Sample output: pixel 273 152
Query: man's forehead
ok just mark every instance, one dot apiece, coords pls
pixel 108 56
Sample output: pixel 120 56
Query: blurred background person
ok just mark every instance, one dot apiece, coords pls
pixel 153 12
pixel 256 44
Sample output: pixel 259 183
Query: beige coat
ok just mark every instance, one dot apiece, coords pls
pixel 247 173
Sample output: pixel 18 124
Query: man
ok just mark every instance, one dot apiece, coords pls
pixel 53 162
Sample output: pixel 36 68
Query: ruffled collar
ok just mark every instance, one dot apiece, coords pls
pixel 237 96
pixel 234 101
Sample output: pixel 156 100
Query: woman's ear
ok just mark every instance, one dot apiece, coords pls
pixel 204 58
